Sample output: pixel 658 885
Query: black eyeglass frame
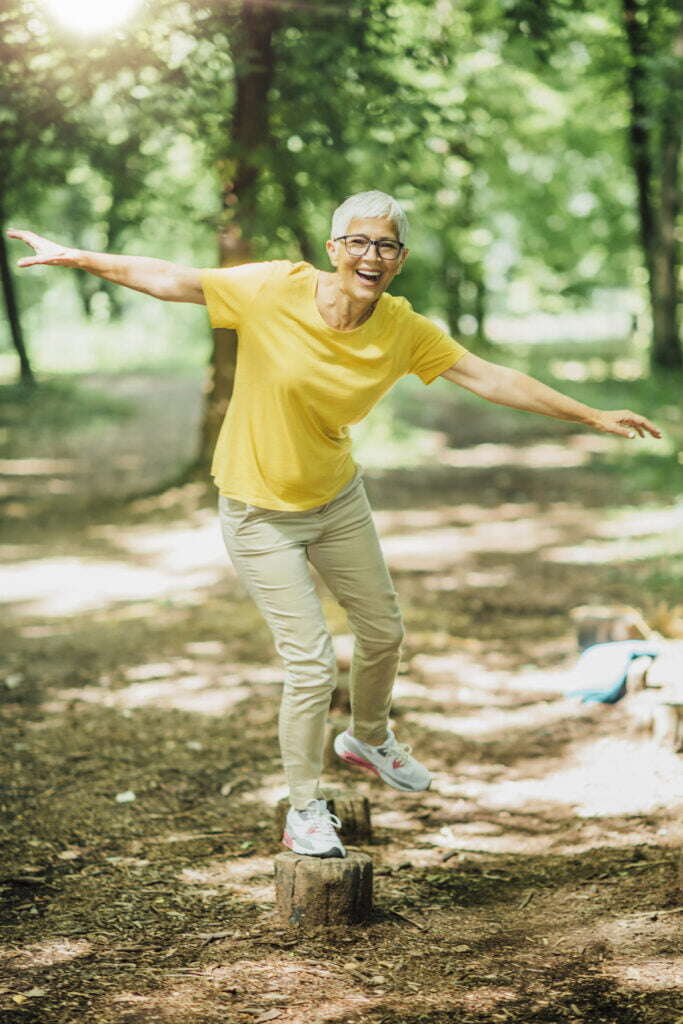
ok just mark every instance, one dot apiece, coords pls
pixel 377 243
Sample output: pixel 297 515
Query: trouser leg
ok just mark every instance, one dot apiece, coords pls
pixel 348 556
pixel 275 571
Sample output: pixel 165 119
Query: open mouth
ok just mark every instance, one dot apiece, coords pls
pixel 371 276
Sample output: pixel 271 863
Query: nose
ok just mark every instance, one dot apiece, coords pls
pixel 372 254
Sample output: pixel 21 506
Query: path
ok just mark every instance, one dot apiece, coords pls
pixel 537 880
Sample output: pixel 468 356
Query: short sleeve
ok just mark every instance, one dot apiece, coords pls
pixel 433 350
pixel 229 291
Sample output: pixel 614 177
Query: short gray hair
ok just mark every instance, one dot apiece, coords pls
pixel 369 204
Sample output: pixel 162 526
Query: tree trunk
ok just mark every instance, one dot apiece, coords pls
pixel 451 275
pixel 656 213
pixel 254 65
pixel 639 131
pixel 479 313
pixel 12 308
pixel 666 343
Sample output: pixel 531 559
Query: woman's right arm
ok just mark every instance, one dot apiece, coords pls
pixel 159 278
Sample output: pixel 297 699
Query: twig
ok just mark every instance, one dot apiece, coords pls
pixel 645 864
pixel 527 900
pixel 404 918
pixel 654 911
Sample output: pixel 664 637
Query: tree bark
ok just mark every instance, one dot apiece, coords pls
pixel 666 344
pixel 254 67
pixel 314 892
pixel 12 307
pixel 658 196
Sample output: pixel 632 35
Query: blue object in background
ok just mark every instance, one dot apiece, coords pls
pixel 603 668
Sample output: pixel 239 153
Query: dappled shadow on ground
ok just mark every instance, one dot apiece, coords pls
pixel 537 880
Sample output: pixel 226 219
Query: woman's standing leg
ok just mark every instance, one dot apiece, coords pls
pixel 268 552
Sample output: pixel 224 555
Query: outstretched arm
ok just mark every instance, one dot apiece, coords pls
pixel 506 386
pixel 159 278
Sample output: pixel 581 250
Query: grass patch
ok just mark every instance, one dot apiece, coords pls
pixel 57 404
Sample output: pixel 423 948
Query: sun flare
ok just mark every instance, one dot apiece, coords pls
pixel 91 15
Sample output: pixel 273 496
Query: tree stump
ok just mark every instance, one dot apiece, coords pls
pixel 599 624
pixel 352 810
pixel 314 891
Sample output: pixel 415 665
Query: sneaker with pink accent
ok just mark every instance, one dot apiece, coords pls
pixel 312 831
pixel 391 760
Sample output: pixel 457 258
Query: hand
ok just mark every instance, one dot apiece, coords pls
pixel 624 423
pixel 46 252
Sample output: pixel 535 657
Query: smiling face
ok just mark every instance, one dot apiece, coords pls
pixel 364 278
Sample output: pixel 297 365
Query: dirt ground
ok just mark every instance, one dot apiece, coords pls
pixel 537 881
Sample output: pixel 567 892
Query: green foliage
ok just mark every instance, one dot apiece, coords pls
pixel 501 126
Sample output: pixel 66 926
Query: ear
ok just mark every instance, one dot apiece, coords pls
pixel 404 257
pixel 332 251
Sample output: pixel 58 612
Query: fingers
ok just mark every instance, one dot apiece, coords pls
pixel 32 261
pixel 638 424
pixel 624 423
pixel 30 237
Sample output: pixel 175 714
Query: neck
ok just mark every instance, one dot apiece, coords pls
pixel 337 308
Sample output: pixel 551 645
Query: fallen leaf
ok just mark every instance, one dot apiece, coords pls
pixel 268 1015
pixel 462 949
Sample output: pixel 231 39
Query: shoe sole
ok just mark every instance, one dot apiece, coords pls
pixel 359 762
pixel 292 845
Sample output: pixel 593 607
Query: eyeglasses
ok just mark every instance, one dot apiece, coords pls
pixel 358 245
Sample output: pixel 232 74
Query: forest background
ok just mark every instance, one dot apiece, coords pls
pixel 537 149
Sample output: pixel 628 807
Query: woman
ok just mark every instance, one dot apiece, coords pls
pixel 316 352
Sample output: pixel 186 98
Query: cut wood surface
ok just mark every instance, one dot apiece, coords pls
pixel 314 891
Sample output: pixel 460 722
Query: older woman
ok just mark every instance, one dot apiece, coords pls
pixel 316 351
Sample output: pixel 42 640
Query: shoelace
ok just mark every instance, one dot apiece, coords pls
pixel 322 821
pixel 399 751
pixel 325 825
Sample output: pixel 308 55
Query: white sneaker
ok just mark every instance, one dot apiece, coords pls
pixel 391 761
pixel 312 831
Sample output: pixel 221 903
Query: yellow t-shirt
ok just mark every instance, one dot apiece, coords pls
pixel 300 384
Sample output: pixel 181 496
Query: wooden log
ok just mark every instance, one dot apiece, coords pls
pixel 599 624
pixel 352 810
pixel 313 891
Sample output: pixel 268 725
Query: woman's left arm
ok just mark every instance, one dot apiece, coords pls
pixel 505 386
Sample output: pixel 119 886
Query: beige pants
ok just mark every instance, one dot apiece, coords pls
pixel 271 552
